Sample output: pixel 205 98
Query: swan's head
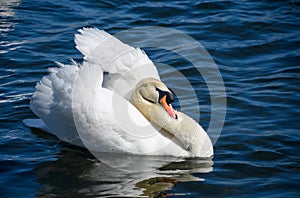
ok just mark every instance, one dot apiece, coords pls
pixel 153 94
pixel 154 100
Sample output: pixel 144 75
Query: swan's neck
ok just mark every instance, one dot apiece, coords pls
pixel 183 130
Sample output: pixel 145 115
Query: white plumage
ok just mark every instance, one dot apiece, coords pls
pixel 87 105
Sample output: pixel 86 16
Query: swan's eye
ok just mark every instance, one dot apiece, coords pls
pixel 169 96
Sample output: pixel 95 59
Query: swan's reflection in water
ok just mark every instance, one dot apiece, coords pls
pixel 76 173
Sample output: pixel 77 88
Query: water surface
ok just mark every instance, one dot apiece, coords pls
pixel 256 47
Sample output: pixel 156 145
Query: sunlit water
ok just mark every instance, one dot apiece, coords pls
pixel 256 48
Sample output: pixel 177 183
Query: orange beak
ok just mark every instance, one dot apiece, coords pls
pixel 168 107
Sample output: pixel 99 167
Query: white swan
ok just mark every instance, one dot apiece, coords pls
pixel 106 103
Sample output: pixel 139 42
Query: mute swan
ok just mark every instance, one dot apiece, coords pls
pixel 114 102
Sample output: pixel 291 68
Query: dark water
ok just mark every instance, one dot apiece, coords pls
pixel 256 47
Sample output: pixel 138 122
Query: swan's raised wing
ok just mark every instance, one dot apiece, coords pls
pixel 125 65
pixel 74 106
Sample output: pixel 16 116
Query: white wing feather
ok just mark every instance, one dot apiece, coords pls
pixel 52 102
pixel 126 65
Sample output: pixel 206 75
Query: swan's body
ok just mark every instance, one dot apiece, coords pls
pixel 111 112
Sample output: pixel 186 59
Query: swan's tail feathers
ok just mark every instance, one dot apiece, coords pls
pixel 54 90
pixel 52 101
pixel 36 123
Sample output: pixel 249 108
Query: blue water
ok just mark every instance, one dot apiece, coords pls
pixel 255 45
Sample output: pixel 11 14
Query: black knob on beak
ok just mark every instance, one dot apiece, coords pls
pixel 169 96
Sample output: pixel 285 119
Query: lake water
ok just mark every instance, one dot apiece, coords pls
pixel 255 45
